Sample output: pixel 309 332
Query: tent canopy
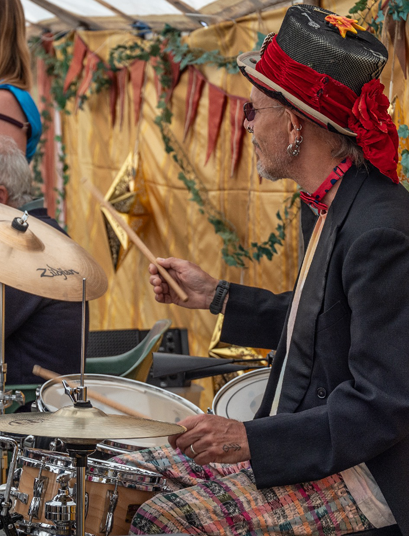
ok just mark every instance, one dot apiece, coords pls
pixel 56 15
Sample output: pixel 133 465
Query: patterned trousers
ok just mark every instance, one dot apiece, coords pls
pixel 222 499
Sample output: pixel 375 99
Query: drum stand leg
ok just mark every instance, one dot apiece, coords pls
pixel 80 453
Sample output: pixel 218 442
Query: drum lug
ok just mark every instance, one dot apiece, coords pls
pixel 40 485
pixel 22 497
pixel 112 497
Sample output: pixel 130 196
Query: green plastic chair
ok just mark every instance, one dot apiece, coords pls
pixel 134 364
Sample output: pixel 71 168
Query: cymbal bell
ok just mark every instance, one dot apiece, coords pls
pixel 43 261
pixel 85 424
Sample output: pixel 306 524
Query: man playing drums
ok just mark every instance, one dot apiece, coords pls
pixel 328 449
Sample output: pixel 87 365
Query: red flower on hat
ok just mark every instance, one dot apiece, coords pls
pixel 376 132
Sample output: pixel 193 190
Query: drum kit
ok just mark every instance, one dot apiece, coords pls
pixel 67 493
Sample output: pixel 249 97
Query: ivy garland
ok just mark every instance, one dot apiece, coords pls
pixel 168 43
pixel 159 49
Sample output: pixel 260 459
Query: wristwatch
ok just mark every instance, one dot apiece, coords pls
pixel 221 292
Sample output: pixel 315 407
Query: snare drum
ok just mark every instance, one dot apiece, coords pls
pixel 113 494
pixel 241 397
pixel 154 402
pixel 38 482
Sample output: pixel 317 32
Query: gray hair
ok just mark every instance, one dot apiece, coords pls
pixel 346 146
pixel 15 173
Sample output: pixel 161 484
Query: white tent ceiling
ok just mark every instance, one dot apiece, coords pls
pixel 57 15
pixel 91 8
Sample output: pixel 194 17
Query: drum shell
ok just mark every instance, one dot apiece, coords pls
pixel 241 397
pixel 52 465
pixel 135 486
pixel 152 401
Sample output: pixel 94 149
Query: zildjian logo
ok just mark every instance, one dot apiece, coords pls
pixel 232 446
pixel 56 272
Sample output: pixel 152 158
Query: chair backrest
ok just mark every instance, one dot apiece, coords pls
pixel 151 343
pixel 126 364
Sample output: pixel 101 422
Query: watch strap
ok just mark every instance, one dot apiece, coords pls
pixel 222 290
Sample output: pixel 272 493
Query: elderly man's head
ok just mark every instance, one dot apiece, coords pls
pixel 15 175
pixel 323 69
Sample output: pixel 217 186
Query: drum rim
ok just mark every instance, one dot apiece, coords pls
pixel 247 376
pixel 34 457
pixel 127 476
pixel 105 378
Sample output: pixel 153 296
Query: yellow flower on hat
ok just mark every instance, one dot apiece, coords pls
pixel 344 24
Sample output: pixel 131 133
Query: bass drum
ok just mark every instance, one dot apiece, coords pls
pixel 241 397
pixel 154 402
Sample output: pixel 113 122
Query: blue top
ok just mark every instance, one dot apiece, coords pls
pixel 32 115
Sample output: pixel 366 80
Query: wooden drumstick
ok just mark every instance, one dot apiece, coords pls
pixel 50 375
pixel 135 239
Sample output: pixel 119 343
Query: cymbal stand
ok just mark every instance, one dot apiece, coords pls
pixel 81 449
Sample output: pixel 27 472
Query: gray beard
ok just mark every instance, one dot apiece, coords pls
pixel 265 174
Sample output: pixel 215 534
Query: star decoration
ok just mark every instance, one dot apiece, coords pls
pixel 344 24
pixel 129 198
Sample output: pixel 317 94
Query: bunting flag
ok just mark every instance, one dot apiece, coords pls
pixel 76 66
pixel 137 72
pixel 174 74
pixel 85 62
pixel 91 63
pixel 237 130
pixel 175 70
pixel 217 100
pixel 122 77
pixel 194 92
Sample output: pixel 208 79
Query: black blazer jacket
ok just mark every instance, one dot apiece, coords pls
pixel 345 395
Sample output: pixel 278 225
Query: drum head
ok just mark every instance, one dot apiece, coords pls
pixel 154 402
pixel 241 397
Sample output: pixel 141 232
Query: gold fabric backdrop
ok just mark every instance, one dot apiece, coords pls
pixel 175 227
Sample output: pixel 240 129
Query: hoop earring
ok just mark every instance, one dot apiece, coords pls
pixel 294 148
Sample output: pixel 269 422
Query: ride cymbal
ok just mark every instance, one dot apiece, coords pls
pixel 75 424
pixel 39 259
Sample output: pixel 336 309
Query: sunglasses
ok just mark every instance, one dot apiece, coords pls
pixel 250 111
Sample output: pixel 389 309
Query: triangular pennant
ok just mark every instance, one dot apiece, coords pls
pixel 237 130
pixel 77 62
pixel 215 115
pixel 122 77
pixel 175 70
pixel 47 41
pixel 194 91
pixel 92 61
pixel 137 71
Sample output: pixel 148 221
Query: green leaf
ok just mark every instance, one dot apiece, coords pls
pixel 403 131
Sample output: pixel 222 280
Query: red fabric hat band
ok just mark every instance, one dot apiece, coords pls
pixel 366 115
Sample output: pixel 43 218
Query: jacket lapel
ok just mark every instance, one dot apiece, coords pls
pixel 301 355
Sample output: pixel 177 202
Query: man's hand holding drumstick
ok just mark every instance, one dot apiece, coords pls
pixel 197 284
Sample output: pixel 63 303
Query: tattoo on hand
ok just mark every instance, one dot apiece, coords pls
pixel 232 446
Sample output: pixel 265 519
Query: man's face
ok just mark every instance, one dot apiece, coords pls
pixel 270 138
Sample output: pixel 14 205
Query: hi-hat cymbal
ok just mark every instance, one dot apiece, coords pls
pixel 45 262
pixel 70 423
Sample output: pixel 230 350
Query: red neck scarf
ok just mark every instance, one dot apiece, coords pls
pixel 315 199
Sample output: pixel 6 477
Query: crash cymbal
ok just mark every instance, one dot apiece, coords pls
pixel 43 261
pixel 85 424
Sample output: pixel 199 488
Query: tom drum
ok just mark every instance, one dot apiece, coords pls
pixel 241 397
